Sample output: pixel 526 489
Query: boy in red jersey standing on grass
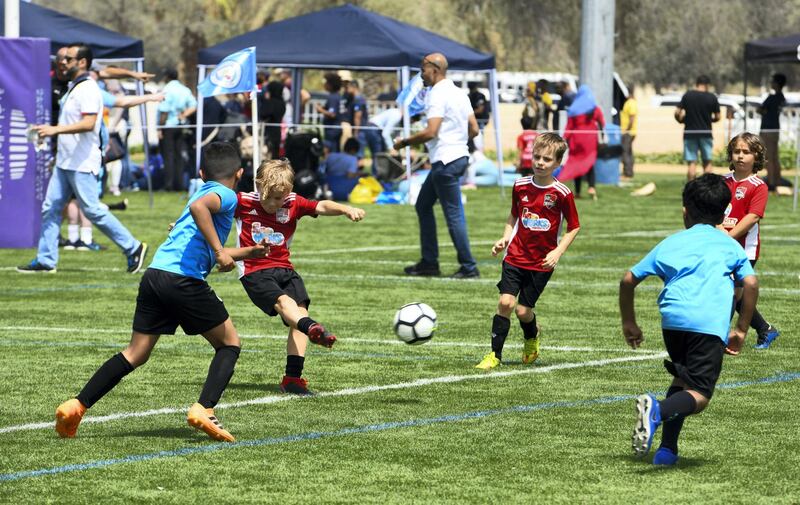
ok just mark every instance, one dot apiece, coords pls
pixel 271 282
pixel 749 195
pixel 539 204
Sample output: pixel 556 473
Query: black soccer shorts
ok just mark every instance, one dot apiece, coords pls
pixel 696 359
pixel 264 287
pixel 526 285
pixel 167 300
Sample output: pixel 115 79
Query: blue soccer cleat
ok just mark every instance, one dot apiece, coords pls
pixel 648 419
pixel 665 457
pixel 765 339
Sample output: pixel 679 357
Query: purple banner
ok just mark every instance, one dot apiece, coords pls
pixel 24 171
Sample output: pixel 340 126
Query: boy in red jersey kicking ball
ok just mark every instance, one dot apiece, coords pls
pixel 271 282
pixel 749 195
pixel 530 238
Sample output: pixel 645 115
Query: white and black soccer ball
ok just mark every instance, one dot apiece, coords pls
pixel 415 323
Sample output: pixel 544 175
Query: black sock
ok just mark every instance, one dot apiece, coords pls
pixel 529 329
pixel 500 327
pixel 758 322
pixel 219 374
pixel 679 404
pixel 305 323
pixel 104 379
pixel 294 366
pixel 671 430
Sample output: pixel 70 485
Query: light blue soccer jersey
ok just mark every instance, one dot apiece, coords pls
pixel 696 266
pixel 186 252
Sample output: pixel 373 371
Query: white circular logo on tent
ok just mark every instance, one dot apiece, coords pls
pixel 227 75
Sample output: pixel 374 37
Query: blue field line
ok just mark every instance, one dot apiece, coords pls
pixel 302 437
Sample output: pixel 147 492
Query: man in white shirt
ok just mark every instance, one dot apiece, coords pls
pixel 77 166
pixel 451 124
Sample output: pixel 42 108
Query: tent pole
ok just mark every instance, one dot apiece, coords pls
pixel 404 78
pixel 496 124
pixel 198 127
pixel 145 141
pixel 256 135
pixel 297 102
pixel 745 92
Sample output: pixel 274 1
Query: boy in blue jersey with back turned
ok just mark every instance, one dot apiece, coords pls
pixel 698 267
pixel 173 292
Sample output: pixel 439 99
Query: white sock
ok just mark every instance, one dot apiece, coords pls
pixel 86 235
pixel 72 232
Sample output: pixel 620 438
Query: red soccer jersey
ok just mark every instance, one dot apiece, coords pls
pixel 249 211
pixel 525 147
pixel 539 211
pixel 748 196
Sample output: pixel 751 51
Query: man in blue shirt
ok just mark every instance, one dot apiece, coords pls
pixel 173 292
pixel 698 267
pixel 178 105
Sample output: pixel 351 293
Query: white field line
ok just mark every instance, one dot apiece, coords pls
pixel 266 400
pixel 345 340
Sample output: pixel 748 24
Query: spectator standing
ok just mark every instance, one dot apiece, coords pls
pixel 451 124
pixel 179 104
pixel 545 100
pixel 77 165
pixel 480 105
pixel 628 119
pixel 770 112
pixel 358 115
pixel 272 113
pixel 331 115
pixel 378 133
pixel 584 122
pixel 567 97
pixel 697 110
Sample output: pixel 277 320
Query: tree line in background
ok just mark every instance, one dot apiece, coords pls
pixel 664 43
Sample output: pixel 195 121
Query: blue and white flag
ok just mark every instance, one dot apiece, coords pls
pixel 234 74
pixel 412 97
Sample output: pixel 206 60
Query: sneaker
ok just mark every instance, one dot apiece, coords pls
pixel 80 245
pixel 62 242
pixel 423 269
pixel 317 334
pixel 648 419
pixel 34 267
pixel 488 362
pixel 530 351
pixel 765 339
pixel 203 419
pixel 68 417
pixel 295 386
pixel 665 457
pixel 71 246
pixel 119 205
pixel 94 246
pixel 136 260
pixel 461 273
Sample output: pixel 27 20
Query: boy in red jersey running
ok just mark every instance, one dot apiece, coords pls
pixel 749 195
pixel 539 203
pixel 270 216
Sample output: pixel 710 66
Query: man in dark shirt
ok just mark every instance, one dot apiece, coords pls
pixel 697 110
pixel 358 116
pixel 331 113
pixel 770 112
pixel 479 105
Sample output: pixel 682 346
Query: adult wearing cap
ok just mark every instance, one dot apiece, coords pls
pixel 451 124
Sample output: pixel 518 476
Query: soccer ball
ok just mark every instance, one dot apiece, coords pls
pixel 415 323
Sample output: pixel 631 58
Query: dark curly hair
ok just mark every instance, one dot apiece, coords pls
pixel 755 144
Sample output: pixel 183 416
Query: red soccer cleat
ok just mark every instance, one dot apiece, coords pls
pixel 320 336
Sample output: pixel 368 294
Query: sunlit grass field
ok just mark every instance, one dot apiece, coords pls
pixel 394 423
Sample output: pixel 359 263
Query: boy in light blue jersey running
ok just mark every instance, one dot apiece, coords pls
pixel 173 292
pixel 698 267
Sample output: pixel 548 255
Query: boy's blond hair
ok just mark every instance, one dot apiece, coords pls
pixel 274 175
pixel 551 141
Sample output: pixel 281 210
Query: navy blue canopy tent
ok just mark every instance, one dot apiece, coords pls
pixel 37 21
pixel 354 38
pixel 784 49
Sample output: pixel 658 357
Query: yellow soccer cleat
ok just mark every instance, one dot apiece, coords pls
pixel 530 351
pixel 488 362
pixel 203 419
pixel 68 417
